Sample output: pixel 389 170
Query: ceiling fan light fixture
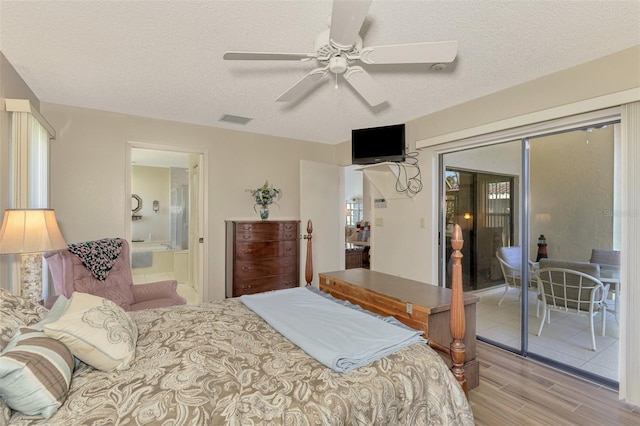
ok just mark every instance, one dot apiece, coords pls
pixel 338 64
pixel 438 67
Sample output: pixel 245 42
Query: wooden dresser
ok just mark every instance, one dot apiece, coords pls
pixel 261 256
pixel 418 305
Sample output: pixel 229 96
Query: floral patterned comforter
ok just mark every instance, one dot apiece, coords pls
pixel 221 364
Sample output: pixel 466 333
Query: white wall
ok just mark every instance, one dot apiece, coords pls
pixel 352 183
pixel 89 164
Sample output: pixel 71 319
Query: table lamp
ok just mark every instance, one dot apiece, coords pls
pixel 30 232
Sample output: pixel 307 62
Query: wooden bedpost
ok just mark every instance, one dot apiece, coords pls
pixel 308 267
pixel 456 318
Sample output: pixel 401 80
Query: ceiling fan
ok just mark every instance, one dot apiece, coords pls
pixel 338 48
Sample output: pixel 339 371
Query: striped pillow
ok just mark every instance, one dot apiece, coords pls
pixel 35 373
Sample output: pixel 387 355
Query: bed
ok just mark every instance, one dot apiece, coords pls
pixel 220 363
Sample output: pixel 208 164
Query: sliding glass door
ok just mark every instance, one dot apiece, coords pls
pixel 547 196
pixel 482 195
pixel 572 192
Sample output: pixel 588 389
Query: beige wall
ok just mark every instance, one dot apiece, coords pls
pixel 401 219
pixel 89 165
pixel 610 74
pixel 90 189
pixel 152 183
pixel 572 182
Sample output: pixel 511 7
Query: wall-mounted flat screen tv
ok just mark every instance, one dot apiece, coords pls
pixel 377 144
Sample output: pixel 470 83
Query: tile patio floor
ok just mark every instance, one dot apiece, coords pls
pixel 566 339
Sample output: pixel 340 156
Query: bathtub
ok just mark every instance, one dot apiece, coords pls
pixel 154 256
pixel 151 246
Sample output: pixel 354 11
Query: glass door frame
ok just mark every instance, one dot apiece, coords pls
pixel 526 133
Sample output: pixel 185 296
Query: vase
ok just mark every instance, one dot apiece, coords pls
pixel 264 213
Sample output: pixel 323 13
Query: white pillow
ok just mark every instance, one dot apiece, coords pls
pixel 96 331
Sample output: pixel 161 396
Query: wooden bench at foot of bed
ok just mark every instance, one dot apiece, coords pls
pixel 420 306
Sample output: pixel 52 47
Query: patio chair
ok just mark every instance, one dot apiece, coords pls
pixel 572 288
pixel 609 261
pixel 510 259
pixel 605 257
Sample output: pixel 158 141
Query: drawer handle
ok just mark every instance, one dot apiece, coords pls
pixel 288 249
pixel 245 251
pixel 246 287
pixel 288 236
pixel 246 237
pixel 246 268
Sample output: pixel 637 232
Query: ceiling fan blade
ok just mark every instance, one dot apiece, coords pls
pixel 362 82
pixel 347 17
pixel 303 86
pixel 267 56
pixel 417 53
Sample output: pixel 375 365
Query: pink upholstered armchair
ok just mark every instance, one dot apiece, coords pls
pixel 69 275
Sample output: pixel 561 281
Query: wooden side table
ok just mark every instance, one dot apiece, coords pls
pixel 418 305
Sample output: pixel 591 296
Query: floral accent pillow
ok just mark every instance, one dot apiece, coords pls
pixel 96 331
pixel 16 312
pixel 98 256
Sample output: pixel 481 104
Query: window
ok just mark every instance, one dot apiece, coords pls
pixel 354 212
pixel 29 165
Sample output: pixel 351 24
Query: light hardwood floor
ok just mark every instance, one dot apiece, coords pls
pixel 517 391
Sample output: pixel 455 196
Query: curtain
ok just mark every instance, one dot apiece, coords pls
pixel 38 159
pixel 629 288
pixel 29 174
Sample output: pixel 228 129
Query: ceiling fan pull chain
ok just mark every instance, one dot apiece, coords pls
pixel 336 86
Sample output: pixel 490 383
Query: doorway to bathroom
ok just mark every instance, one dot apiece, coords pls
pixel 165 224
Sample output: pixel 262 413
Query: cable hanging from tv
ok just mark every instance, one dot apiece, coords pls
pixel 409 179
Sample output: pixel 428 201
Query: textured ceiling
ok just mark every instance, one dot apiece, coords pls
pixel 163 59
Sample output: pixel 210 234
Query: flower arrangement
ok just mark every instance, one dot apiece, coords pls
pixel 264 196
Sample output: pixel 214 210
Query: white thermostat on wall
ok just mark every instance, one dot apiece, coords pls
pixel 380 203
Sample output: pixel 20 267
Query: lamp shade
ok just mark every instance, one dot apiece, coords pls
pixel 30 231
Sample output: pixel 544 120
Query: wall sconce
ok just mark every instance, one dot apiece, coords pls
pixel 467 216
pixel 156 206
pixel 542 217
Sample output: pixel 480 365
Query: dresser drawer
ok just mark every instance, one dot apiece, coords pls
pixel 266 231
pixel 259 285
pixel 265 267
pixel 265 249
pixel 246 236
pixel 256 226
